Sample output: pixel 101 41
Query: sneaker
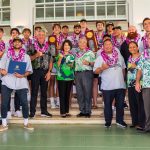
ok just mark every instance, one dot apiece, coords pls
pixel 57 104
pixel 107 125
pixel 29 127
pixel 122 124
pixel 3 128
pixel 52 102
pixel 9 115
pixel 18 114
pixel 47 114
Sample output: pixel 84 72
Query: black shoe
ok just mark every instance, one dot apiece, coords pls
pixel 139 129
pixel 132 126
pixel 87 115
pixel 107 125
pixel 31 115
pixel 80 115
pixel 144 131
pixel 46 114
pixel 121 124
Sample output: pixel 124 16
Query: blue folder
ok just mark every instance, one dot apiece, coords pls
pixel 15 66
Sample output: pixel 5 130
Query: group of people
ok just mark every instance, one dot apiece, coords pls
pixel 121 65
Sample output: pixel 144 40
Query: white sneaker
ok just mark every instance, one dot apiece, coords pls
pixel 18 114
pixel 3 128
pixel 9 115
pixel 52 101
pixel 57 102
pixel 29 127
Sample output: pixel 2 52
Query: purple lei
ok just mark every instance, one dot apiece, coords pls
pixel 74 39
pixel 116 43
pixel 145 45
pixel 28 43
pixel 11 43
pixel 59 38
pixel 2 46
pixel 99 39
pixel 80 53
pixel 132 60
pixel 19 57
pixel 136 39
pixel 43 49
pixel 110 60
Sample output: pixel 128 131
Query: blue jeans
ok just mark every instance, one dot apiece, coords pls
pixel 109 96
pixel 22 95
pixel 84 83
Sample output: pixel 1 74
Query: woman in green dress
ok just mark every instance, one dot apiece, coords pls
pixel 65 76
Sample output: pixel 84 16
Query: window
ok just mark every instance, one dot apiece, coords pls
pixel 90 10
pixel 40 12
pixel 5 12
pixel 111 9
pixel 39 1
pixel 49 10
pixel 59 11
pixel 5 2
pixel 101 10
pixel 121 8
pixel 80 10
pixel 74 10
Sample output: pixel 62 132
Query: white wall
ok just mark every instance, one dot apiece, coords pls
pixel 138 10
pixel 22 13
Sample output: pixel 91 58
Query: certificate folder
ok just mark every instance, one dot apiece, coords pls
pixel 15 66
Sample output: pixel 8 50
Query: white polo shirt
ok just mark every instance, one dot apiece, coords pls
pixel 112 78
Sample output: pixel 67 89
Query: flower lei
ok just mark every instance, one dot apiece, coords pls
pixel 80 54
pixel 110 60
pixel 11 43
pixel 19 57
pixel 99 39
pixel 132 60
pixel 145 45
pixel 43 49
pixel 59 38
pixel 116 43
pixel 136 39
pixel 74 39
pixel 28 43
pixel 2 46
pixel 63 36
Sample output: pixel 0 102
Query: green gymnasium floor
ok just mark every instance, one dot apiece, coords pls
pixel 73 137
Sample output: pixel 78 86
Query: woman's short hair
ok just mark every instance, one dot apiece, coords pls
pixel 69 43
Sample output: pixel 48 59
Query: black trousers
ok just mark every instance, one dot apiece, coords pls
pixel 136 107
pixel 16 102
pixel 109 96
pixel 64 88
pixel 38 79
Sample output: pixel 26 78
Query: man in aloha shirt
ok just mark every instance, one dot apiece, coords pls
pixel 41 59
pixel 144 73
pixel 84 61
